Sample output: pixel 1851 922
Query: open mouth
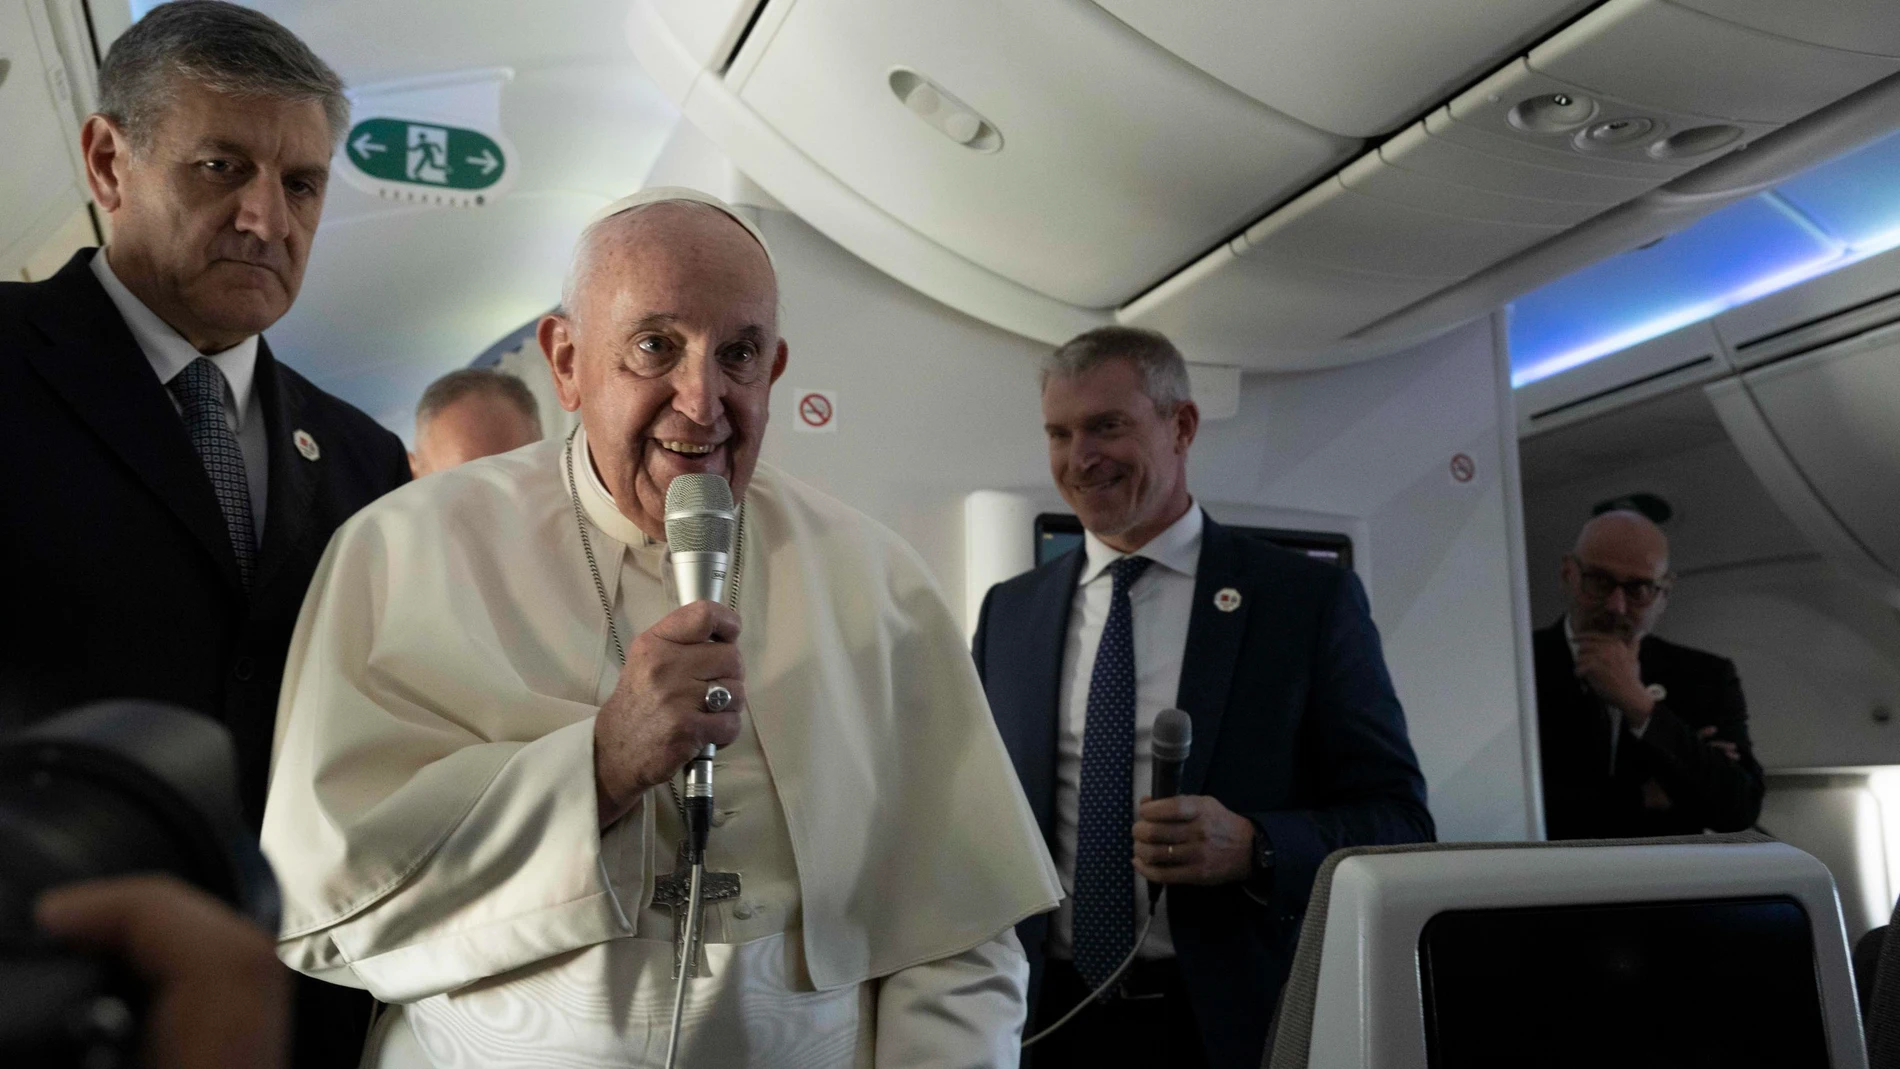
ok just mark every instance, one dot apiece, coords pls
pixel 689 449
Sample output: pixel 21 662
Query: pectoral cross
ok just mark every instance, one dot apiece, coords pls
pixel 674 891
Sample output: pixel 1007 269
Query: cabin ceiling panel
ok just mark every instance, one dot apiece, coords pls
pixel 1359 68
pixel 1668 56
pixel 1850 25
pixel 1262 310
pixel 369 42
pixel 1113 163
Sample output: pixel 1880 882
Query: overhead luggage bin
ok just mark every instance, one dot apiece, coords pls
pixel 1112 163
pixel 1686 61
pixel 1051 166
pixel 1848 25
pixel 1405 58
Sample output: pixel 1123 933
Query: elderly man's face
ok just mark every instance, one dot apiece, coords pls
pixel 671 354
pixel 1617 578
pixel 212 219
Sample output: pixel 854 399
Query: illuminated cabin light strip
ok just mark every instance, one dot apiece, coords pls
pixel 1696 313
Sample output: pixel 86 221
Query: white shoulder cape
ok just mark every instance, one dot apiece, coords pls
pixel 429 818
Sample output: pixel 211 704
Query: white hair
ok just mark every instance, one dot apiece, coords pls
pixel 587 248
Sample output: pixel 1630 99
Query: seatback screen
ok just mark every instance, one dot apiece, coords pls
pixel 1666 984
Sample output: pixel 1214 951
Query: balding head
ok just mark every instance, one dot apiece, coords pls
pixel 667 345
pixel 1617 576
pixel 471 413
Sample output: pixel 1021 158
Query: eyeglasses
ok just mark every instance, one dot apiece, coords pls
pixel 1599 585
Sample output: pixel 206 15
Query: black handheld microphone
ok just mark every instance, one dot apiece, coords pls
pixel 701 524
pixel 1168 746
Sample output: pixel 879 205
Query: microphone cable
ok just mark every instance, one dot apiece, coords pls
pixel 1127 962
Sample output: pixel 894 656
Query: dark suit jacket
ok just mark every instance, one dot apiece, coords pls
pixel 1583 799
pixel 1296 727
pixel 116 573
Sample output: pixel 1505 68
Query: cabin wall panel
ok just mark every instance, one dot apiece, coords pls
pixel 1815 649
pixel 934 405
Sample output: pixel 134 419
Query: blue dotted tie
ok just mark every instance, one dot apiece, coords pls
pixel 200 392
pixel 1105 841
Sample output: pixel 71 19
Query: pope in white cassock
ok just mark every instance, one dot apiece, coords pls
pixel 473 799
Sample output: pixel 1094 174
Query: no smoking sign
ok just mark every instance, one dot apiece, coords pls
pixel 817 411
pixel 1463 468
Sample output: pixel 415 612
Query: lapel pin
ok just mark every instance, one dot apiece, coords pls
pixel 306 445
pixel 1227 600
pixel 1657 691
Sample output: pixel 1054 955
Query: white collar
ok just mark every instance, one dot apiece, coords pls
pixel 1178 548
pixel 167 350
pixel 598 502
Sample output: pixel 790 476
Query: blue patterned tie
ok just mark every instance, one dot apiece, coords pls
pixel 1105 841
pixel 200 393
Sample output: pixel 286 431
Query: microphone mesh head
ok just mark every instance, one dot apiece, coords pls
pixel 1172 737
pixel 700 515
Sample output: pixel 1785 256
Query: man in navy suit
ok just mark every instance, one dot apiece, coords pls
pixel 1300 745
pixel 170 486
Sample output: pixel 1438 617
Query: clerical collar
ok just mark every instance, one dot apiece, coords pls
pixel 598 502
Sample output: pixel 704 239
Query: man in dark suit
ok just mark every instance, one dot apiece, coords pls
pixel 1638 736
pixel 170 485
pixel 1300 745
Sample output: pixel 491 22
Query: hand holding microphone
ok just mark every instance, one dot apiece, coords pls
pixel 1189 838
pixel 683 687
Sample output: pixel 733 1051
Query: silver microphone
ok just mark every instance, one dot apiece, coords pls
pixel 701 525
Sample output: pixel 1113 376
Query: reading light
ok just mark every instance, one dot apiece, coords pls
pixel 1552 113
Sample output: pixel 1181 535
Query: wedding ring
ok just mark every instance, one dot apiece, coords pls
pixel 1170 851
pixel 717 698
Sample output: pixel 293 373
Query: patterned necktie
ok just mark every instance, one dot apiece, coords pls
pixel 1105 841
pixel 200 393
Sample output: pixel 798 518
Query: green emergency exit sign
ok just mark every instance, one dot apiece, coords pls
pixel 426 155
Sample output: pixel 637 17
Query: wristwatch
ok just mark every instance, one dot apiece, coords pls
pixel 1260 881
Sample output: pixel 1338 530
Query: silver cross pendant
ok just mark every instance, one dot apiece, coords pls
pixel 674 892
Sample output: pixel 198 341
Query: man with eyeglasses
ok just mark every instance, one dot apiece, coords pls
pixel 1639 736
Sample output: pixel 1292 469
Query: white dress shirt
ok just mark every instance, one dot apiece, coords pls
pixel 1616 714
pixel 169 352
pixel 1161 601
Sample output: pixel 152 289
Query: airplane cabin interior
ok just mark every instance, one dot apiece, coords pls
pixel 1450 278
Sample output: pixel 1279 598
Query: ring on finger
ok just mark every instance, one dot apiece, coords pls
pixel 717 698
pixel 1170 853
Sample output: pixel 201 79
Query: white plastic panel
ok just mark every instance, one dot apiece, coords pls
pixel 1484 119
pixel 1851 25
pixel 1267 310
pixel 1833 411
pixel 1839 818
pixel 1799 499
pixel 1372 176
pixel 1119 163
pixel 1546 177
pixel 39 187
pixel 1404 58
pixel 677 40
pixel 1331 226
pixel 1368 1005
pixel 1657 53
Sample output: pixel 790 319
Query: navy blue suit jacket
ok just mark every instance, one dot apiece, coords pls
pixel 117 575
pixel 1296 727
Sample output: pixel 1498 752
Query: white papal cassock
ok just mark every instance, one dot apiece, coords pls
pixel 432 811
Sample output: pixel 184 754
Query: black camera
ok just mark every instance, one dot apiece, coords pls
pixel 109 789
